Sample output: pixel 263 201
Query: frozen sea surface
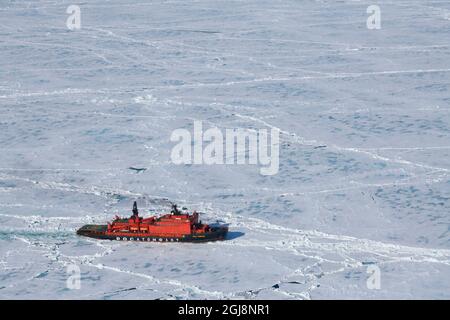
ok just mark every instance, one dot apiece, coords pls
pixel 364 174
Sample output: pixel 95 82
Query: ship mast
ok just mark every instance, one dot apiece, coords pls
pixel 135 210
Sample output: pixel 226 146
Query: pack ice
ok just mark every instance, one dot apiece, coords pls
pixel 358 209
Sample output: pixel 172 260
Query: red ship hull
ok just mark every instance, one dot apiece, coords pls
pixel 99 232
pixel 174 227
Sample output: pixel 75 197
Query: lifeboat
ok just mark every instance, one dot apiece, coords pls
pixel 174 227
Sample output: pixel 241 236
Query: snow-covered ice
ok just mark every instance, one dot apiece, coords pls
pixel 364 175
